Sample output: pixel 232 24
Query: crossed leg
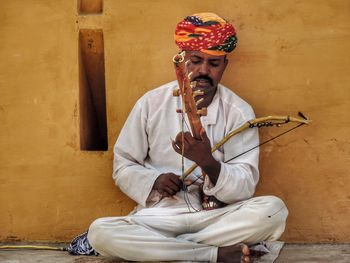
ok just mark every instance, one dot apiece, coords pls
pixel 205 236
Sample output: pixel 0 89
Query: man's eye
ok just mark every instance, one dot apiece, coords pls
pixel 195 61
pixel 214 64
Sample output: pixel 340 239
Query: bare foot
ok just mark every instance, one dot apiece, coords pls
pixel 236 254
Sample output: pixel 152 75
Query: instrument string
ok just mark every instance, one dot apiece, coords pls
pixel 184 186
pixel 269 140
pixel 189 205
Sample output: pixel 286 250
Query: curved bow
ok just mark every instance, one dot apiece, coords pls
pixel 268 121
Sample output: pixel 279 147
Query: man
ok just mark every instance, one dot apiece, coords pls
pixel 169 222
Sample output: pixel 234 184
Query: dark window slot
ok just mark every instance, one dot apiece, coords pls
pixel 90 6
pixel 92 94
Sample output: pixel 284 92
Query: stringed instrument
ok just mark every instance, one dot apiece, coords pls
pixel 190 105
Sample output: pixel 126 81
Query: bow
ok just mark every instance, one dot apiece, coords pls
pixel 268 121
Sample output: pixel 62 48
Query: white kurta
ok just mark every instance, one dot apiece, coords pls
pixel 143 150
pixel 162 229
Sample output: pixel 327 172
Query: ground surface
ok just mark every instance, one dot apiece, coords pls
pixel 292 253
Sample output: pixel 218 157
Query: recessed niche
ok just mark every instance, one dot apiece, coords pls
pixel 92 94
pixel 90 6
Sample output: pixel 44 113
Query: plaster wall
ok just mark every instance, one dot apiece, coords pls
pixel 292 55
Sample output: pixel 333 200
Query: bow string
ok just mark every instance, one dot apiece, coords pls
pixel 267 121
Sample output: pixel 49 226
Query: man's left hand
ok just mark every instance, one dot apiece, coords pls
pixel 197 150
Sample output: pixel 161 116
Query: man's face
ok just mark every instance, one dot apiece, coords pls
pixel 207 71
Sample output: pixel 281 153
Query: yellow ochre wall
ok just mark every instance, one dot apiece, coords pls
pixel 292 55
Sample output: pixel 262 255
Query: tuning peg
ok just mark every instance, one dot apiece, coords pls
pixel 202 112
pixel 179 111
pixel 178 58
pixel 176 92
pixel 193 84
pixel 199 101
pixel 197 93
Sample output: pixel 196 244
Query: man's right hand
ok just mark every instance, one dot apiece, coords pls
pixel 167 184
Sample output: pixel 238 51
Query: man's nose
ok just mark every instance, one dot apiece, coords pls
pixel 204 69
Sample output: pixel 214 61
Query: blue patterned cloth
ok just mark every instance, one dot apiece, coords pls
pixel 81 246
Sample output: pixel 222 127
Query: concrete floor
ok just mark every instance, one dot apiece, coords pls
pixel 310 253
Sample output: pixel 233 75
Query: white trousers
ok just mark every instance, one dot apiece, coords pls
pixel 189 236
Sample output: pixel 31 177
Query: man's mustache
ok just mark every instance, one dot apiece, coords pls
pixel 204 77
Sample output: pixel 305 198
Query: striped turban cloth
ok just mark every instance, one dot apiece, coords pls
pixel 206 32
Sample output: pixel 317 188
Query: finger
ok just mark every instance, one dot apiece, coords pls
pixel 189 138
pixel 188 182
pixel 176 147
pixel 186 139
pixel 245 250
pixel 173 185
pixel 178 138
pixel 176 183
pixel 246 259
pixel 163 193
pixel 203 135
pixel 169 190
pixel 176 179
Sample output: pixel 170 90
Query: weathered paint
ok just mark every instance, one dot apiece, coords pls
pixel 292 55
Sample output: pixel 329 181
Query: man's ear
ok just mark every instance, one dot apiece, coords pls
pixel 225 62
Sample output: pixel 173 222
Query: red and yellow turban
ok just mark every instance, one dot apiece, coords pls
pixel 206 32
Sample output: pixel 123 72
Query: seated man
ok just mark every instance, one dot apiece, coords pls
pixel 169 222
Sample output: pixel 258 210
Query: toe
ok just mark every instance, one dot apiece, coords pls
pixel 245 250
pixel 246 259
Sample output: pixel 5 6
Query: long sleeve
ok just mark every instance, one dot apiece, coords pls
pixel 238 178
pixel 130 152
